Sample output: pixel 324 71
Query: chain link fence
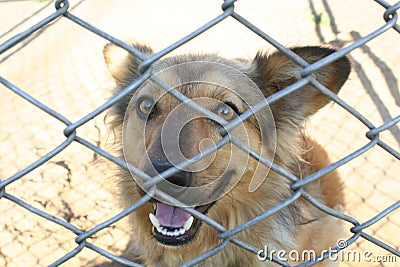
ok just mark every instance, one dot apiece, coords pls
pixel 68 140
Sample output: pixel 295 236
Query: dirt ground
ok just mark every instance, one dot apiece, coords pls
pixel 63 68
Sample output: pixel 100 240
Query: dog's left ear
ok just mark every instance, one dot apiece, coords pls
pixel 122 65
pixel 276 71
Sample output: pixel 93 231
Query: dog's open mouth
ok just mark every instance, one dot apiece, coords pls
pixel 173 226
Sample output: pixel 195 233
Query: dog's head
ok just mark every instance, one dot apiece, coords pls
pixel 160 133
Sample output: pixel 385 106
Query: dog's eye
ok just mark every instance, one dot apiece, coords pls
pixel 233 107
pixel 227 110
pixel 145 106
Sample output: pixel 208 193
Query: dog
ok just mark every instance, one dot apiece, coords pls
pixel 167 235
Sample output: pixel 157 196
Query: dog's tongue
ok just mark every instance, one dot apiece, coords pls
pixel 170 216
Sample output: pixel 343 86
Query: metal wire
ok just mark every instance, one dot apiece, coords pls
pixel 227 236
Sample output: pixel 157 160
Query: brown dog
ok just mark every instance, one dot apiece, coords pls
pixel 234 187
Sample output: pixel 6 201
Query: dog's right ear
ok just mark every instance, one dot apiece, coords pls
pixel 276 71
pixel 122 65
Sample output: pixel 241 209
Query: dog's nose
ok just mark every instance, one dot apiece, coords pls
pixel 181 178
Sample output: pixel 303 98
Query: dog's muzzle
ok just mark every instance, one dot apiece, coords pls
pixel 173 226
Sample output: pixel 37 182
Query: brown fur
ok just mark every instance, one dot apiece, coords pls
pixel 299 226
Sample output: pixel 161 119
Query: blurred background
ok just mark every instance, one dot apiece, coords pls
pixel 62 66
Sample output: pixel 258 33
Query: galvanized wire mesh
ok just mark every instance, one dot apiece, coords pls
pixel 227 236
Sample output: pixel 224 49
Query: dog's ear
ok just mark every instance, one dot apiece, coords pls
pixel 276 71
pixel 122 65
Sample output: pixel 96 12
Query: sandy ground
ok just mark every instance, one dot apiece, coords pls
pixel 63 68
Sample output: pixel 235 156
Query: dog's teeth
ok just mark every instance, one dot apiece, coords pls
pixel 154 220
pixel 188 223
pixel 176 232
pixel 164 231
pixel 181 231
